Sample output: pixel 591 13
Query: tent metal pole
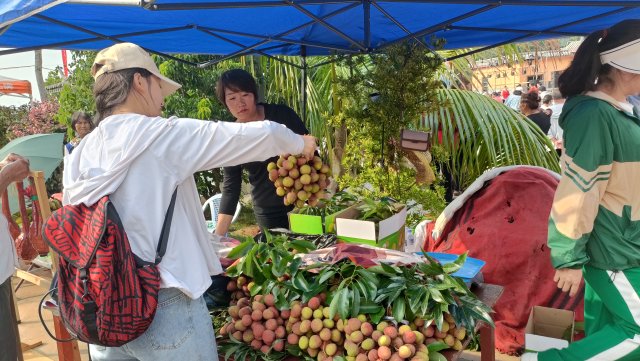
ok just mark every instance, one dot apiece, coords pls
pixel 247 49
pixel 276 38
pixel 303 80
pixel 536 33
pixel 403 28
pixel 218 60
pixel 241 45
pixel 92 39
pixel 241 4
pixel 366 7
pixel 441 26
pixel 138 3
pixel 524 31
pixel 326 24
pixel 332 60
pixel 105 37
pixel 611 3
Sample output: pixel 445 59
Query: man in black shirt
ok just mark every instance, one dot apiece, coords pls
pixel 237 90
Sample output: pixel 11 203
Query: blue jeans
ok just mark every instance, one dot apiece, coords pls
pixel 181 330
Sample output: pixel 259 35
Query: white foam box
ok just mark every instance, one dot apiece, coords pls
pixel 548 328
pixel 390 231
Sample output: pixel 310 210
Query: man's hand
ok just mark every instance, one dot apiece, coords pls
pixel 12 157
pixel 568 280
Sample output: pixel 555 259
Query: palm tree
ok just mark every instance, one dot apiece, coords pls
pixel 491 135
pixel 480 133
pixel 39 77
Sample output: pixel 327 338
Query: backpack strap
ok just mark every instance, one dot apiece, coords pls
pixel 166 227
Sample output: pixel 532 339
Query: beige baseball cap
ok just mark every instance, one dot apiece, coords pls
pixel 126 56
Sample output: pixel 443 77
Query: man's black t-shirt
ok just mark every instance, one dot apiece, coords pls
pixel 266 202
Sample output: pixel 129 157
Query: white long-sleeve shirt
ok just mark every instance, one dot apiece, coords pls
pixel 8 256
pixel 139 161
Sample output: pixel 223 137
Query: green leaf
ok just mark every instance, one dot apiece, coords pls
pixel 268 286
pixel 380 270
pixel 279 266
pixel 377 316
pixel 230 351
pixel 300 282
pixel 480 134
pixel 241 249
pixel 415 298
pixel 455 265
pixel 339 303
pixel 302 245
pixel 255 290
pixel 398 309
pixel 389 269
pixel 294 265
pixel 362 289
pixel 424 304
pixel 282 303
pixel 355 307
pixel 436 295
pixel 325 275
pixel 345 308
pixel 436 356
pixel 369 307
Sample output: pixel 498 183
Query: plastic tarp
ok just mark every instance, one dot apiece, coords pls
pixel 15 10
pixel 505 224
pixel 227 27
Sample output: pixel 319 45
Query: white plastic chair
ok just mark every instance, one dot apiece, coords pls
pixel 214 204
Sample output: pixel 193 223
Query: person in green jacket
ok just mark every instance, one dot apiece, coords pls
pixel 594 226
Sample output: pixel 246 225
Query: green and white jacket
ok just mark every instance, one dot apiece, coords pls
pixel 595 218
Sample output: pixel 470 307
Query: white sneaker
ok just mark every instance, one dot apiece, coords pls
pixel 529 356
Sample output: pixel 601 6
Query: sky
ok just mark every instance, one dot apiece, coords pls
pixel 21 66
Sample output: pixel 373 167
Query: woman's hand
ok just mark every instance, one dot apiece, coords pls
pixel 568 280
pixel 310 146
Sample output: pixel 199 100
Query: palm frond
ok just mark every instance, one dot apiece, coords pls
pixel 490 135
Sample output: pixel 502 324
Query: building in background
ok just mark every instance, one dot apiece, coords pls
pixel 542 67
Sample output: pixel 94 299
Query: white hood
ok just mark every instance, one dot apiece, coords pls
pixel 90 174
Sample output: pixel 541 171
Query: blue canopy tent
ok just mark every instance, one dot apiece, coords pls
pixel 295 27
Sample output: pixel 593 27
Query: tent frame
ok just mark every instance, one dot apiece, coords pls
pixel 356 47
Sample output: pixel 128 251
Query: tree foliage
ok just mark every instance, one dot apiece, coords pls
pixel 38 120
pixel 8 117
pixel 77 92
pixel 380 96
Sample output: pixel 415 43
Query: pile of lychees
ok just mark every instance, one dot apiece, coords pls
pixel 299 180
pixel 257 322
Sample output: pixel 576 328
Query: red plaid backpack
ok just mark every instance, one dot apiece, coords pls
pixel 106 294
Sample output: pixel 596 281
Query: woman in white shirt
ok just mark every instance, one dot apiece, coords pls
pixel 139 158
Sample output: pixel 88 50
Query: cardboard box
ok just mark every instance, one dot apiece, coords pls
pixel 308 224
pixel 548 328
pixel 390 232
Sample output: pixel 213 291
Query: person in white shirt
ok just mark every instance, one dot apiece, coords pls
pixel 139 158
pixel 513 101
pixel 555 131
pixel 12 169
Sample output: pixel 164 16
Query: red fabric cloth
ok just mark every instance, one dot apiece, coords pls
pixel 505 224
